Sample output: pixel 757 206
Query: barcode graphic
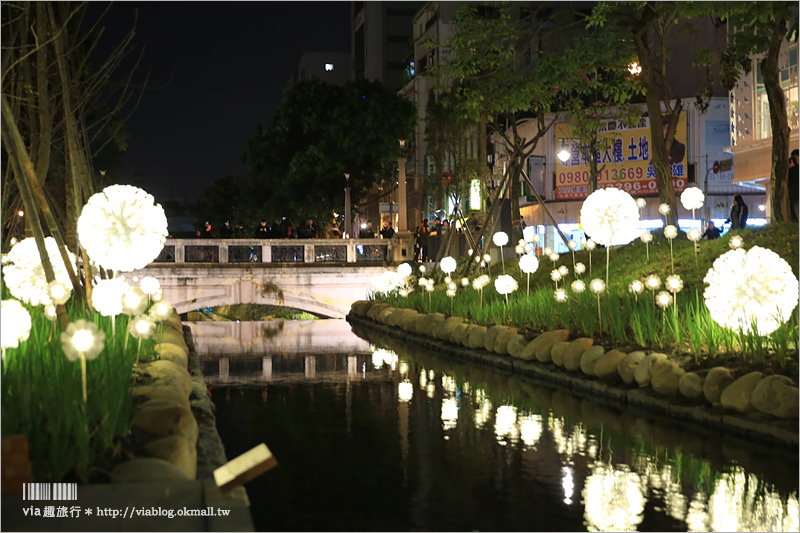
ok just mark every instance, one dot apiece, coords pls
pixel 49 491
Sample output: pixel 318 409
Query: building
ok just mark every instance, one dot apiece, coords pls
pixel 330 67
pixel 750 128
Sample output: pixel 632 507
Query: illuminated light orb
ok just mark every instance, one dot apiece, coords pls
pixel 405 270
pixel 519 249
pixel 590 244
pixel 161 311
pixel 536 238
pixel 555 275
pixel 447 279
pixel 563 270
pixel 560 295
pixel 82 336
pixel 448 265
pixel 387 282
pixel 670 232
pixel 429 287
pixel 487 258
pixel 500 238
pixel 753 286
pixel 580 268
pixel 736 242
pixel 465 282
pixel 664 209
pixel 608 215
pixel 480 282
pixel 469 252
pixel 578 286
pixel 122 228
pixel 505 284
pixel 641 202
pixel 15 325
pixel 451 286
pixel 636 286
pixel 450 292
pixel 572 244
pixel 597 286
pixel 554 257
pixel 528 233
pixel 141 327
pixel 548 251
pixel 403 293
pixel 674 283
pixel 59 293
pixel 107 296
pixel 134 302
pixel 422 281
pixel 653 282
pixel 646 237
pixel 694 235
pixel 664 299
pixel 422 268
pixel 692 198
pixel 149 285
pixel 24 272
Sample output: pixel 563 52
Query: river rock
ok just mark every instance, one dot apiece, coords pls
pixel 167 421
pixel 405 319
pixel 644 370
pixel 606 366
pixel 476 335
pixel 691 385
pixel 175 354
pixel 491 336
pixel 375 311
pixel 737 395
pixel 435 320
pixel 516 344
pixel 557 353
pixel 170 371
pixel 177 451
pixel 776 395
pixel 717 380
pixel 572 356
pixel 459 333
pixel 169 336
pixel 542 345
pixel 146 469
pixel 446 328
pixel 415 324
pixel 400 315
pixel 501 342
pixel 384 314
pixel 590 357
pixel 666 376
pixel 175 395
pixel 627 366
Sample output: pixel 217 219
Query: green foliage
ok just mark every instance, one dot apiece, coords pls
pixel 320 132
pixel 42 398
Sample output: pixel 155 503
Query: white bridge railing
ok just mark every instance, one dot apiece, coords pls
pixel 181 251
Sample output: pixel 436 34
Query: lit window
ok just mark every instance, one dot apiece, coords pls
pixel 328 67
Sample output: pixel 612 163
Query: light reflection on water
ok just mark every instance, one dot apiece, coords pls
pixel 502 453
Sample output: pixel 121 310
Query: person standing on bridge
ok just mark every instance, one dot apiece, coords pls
pixel 262 230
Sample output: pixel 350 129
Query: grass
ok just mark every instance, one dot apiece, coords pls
pixel 685 328
pixel 69 440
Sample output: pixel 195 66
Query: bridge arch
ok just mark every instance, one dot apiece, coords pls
pixel 327 291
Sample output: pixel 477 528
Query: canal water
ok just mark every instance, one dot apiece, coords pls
pixel 371 434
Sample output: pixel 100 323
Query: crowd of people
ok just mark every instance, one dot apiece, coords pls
pixel 280 229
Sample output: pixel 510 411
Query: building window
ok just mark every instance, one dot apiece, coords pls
pixel 328 67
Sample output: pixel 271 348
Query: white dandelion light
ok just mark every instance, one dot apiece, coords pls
pixel 161 311
pixel 736 242
pixel 149 285
pixel 641 203
pixel 590 244
pixel 756 286
pixel 555 275
pixel 500 238
pixel 59 292
pixel 82 337
pixel 572 244
pixel 448 264
pixel 560 295
pixel 465 282
pixel 674 283
pixel 134 301
pixel 694 235
pixel 24 272
pixel 107 296
pixel 664 209
pixel 608 215
pixel 597 286
pixel 692 198
pixel 528 233
pixel 122 228
pixel 646 237
pixel 636 286
pixel 404 270
pixel 670 232
pixel 578 286
pixel 580 268
pixel 505 284
pixel 422 268
pixel 50 312
pixel 447 279
pixel 664 299
pixel 548 251
pixel 554 257
pixel 563 270
pixel 653 282
pixel 15 325
pixel 141 327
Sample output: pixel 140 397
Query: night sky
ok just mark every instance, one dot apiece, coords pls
pixel 217 69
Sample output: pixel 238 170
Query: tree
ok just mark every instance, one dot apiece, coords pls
pixel 320 132
pixel 760 29
pixel 650 26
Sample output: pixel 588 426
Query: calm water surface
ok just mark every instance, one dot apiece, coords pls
pixel 374 435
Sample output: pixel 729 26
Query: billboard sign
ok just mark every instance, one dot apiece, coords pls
pixel 626 164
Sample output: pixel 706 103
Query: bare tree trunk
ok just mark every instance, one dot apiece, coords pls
pixel 779 177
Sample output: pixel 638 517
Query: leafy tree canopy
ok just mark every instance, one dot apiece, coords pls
pixel 320 132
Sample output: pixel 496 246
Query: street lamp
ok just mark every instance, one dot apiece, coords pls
pixel 347 227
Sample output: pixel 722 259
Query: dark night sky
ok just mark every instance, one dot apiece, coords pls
pixel 228 63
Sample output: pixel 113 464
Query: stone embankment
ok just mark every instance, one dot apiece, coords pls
pixel 754 405
pixel 174 435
